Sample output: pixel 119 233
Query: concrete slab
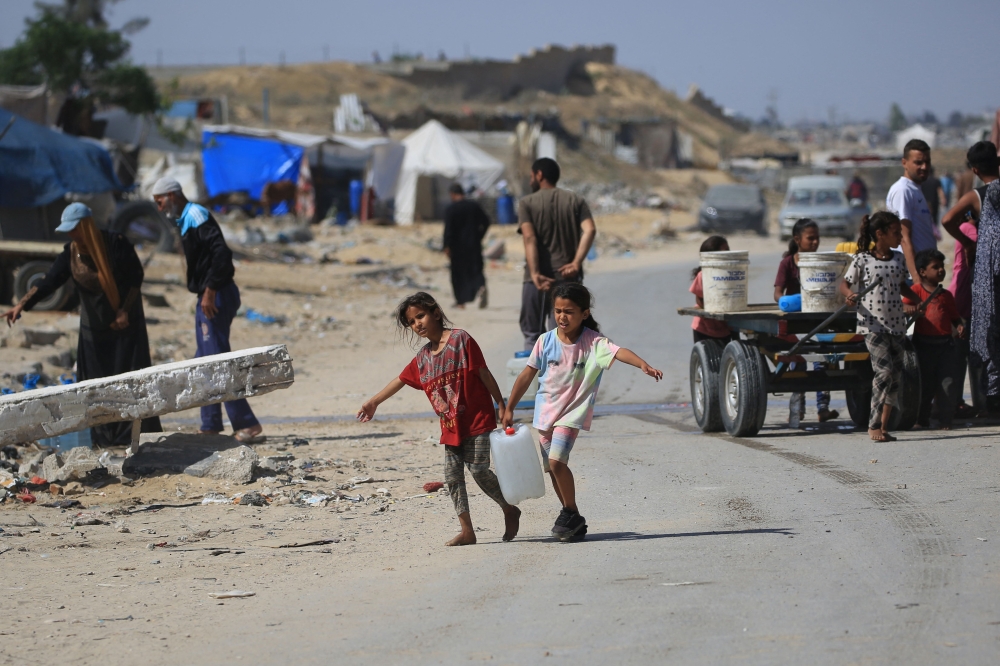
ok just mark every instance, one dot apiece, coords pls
pixel 172 387
pixel 174 452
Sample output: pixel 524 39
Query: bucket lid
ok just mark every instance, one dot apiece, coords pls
pixel 727 256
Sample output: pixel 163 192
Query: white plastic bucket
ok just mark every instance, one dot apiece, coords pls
pixel 515 459
pixel 514 368
pixel 724 280
pixel 820 274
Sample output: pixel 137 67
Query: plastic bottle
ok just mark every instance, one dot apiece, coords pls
pixel 516 461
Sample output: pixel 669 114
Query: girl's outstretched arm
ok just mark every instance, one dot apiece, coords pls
pixel 367 410
pixel 493 388
pixel 520 386
pixel 628 356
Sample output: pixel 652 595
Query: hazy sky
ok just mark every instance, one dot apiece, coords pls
pixel 856 57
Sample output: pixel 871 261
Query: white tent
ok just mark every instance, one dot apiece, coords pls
pixel 917 131
pixel 434 150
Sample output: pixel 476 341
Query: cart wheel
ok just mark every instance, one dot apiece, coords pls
pixel 743 393
pixel 859 400
pixel 29 275
pixel 705 384
pixel 904 414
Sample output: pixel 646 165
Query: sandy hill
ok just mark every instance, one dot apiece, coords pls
pixel 303 97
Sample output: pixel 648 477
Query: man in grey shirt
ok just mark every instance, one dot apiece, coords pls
pixel 558 231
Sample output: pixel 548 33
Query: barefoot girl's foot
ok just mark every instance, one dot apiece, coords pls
pixel 876 434
pixel 512 522
pixel 886 437
pixel 463 539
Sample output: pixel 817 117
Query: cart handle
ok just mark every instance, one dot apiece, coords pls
pixel 780 370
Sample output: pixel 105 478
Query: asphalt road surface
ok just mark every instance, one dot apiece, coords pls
pixel 815 546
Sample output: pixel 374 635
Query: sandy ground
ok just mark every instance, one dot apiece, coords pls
pixel 147 567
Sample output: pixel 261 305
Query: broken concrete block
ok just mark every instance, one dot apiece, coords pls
pixel 275 464
pixel 39 337
pixel 233 465
pixel 32 465
pixel 33 415
pixel 173 452
pixel 50 467
pixel 78 464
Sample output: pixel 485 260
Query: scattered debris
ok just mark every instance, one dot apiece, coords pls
pixel 252 498
pixel 433 486
pixel 234 594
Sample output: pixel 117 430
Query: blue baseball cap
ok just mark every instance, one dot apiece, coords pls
pixel 72 215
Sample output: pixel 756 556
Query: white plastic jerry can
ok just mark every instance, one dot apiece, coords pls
pixel 514 368
pixel 516 461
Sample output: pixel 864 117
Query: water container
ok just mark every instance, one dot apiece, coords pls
pixel 791 303
pixel 724 280
pixel 515 459
pixel 67 441
pixel 505 210
pixel 820 274
pixel 514 368
pixel 357 189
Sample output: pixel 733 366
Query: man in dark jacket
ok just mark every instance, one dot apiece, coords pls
pixel 465 225
pixel 210 275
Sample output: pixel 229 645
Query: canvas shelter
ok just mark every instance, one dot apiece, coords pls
pixel 245 159
pixel 435 156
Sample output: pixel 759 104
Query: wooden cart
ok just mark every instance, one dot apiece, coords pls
pixel 730 383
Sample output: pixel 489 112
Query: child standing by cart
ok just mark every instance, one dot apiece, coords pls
pixel 881 312
pixel 451 370
pixel 805 238
pixel 936 349
pixel 569 362
pixel 703 327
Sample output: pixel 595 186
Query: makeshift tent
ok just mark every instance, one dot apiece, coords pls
pixel 917 131
pixel 433 150
pixel 330 163
pixel 39 165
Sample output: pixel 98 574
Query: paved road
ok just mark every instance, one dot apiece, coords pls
pixel 817 547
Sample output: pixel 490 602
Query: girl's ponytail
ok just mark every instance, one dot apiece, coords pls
pixel 581 296
pixel 864 236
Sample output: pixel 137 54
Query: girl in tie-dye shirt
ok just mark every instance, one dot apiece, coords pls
pixel 569 362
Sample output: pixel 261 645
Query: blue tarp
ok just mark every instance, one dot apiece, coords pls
pixel 234 163
pixel 39 165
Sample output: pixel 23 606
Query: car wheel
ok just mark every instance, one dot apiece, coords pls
pixel 743 389
pixel 143 224
pixel 29 275
pixel 704 371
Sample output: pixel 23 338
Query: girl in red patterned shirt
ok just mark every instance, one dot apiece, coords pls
pixel 451 370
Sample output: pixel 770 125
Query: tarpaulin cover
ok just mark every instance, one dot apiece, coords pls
pixel 232 163
pixel 39 165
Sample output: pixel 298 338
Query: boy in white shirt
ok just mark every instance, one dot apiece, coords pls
pixel 907 202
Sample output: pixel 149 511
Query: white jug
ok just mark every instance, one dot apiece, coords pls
pixel 514 368
pixel 516 461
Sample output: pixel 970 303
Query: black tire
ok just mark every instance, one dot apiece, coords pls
pixel 704 373
pixel 904 414
pixel 742 389
pixel 143 224
pixel 32 272
pixel 859 400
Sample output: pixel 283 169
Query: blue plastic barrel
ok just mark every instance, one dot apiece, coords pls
pixel 357 190
pixel 505 210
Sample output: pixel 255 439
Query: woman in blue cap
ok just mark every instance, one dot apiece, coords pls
pixel 108 275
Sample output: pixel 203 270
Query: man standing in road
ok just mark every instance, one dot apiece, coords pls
pixel 907 202
pixel 465 225
pixel 210 273
pixel 558 231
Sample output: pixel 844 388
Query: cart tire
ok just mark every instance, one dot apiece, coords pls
pixel 144 225
pixel 742 389
pixel 31 273
pixel 859 400
pixel 704 371
pixel 904 414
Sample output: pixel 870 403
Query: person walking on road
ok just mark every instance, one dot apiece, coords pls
pixel 985 339
pixel 107 275
pixel 569 362
pixel 210 273
pixel 961 222
pixel 558 230
pixel 906 201
pixel 451 370
pixel 465 225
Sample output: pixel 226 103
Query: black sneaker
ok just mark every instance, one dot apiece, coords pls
pixel 575 527
pixel 561 522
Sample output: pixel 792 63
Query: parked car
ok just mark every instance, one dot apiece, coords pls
pixel 823 199
pixel 732 207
